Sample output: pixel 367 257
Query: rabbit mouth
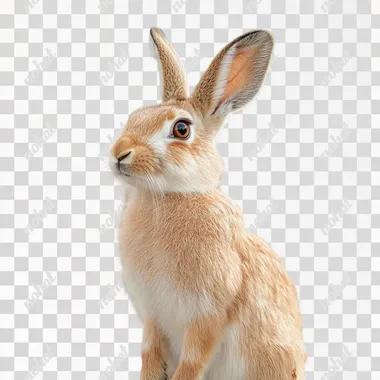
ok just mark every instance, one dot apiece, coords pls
pixel 122 172
pixel 120 169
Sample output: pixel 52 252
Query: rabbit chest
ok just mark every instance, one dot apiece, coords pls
pixel 177 261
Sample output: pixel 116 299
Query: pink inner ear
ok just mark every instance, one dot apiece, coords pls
pixel 240 72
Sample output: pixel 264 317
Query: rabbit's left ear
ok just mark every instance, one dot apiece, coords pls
pixel 173 75
pixel 235 75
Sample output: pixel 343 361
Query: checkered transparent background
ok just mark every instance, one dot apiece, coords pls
pixel 76 238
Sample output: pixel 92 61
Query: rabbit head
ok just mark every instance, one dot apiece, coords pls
pixel 171 147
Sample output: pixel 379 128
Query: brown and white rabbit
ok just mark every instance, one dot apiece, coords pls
pixel 214 299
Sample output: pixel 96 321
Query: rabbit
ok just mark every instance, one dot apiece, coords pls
pixel 215 301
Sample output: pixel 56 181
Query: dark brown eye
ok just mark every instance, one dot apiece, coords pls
pixel 181 130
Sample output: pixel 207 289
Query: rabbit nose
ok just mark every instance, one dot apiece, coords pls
pixel 126 157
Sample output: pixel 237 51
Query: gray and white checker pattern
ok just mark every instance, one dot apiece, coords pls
pixel 72 71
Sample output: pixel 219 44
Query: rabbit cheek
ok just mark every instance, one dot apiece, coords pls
pixel 179 154
pixel 146 161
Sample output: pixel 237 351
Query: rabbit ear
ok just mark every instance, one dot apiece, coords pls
pixel 235 75
pixel 173 74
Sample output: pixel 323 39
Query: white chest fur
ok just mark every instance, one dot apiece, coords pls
pixel 157 298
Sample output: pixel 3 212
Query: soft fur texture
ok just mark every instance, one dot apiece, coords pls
pixel 215 300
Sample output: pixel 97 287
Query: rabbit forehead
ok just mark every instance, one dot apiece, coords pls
pixel 150 121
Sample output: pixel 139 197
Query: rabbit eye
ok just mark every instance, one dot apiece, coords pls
pixel 181 129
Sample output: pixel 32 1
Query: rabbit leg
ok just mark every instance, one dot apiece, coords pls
pixel 153 365
pixel 200 338
pixel 277 362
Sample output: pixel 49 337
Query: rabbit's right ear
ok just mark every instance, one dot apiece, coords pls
pixel 173 74
pixel 235 75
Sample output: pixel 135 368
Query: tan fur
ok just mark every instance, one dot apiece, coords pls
pixel 215 300
pixel 174 83
pixel 153 352
pixel 137 125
